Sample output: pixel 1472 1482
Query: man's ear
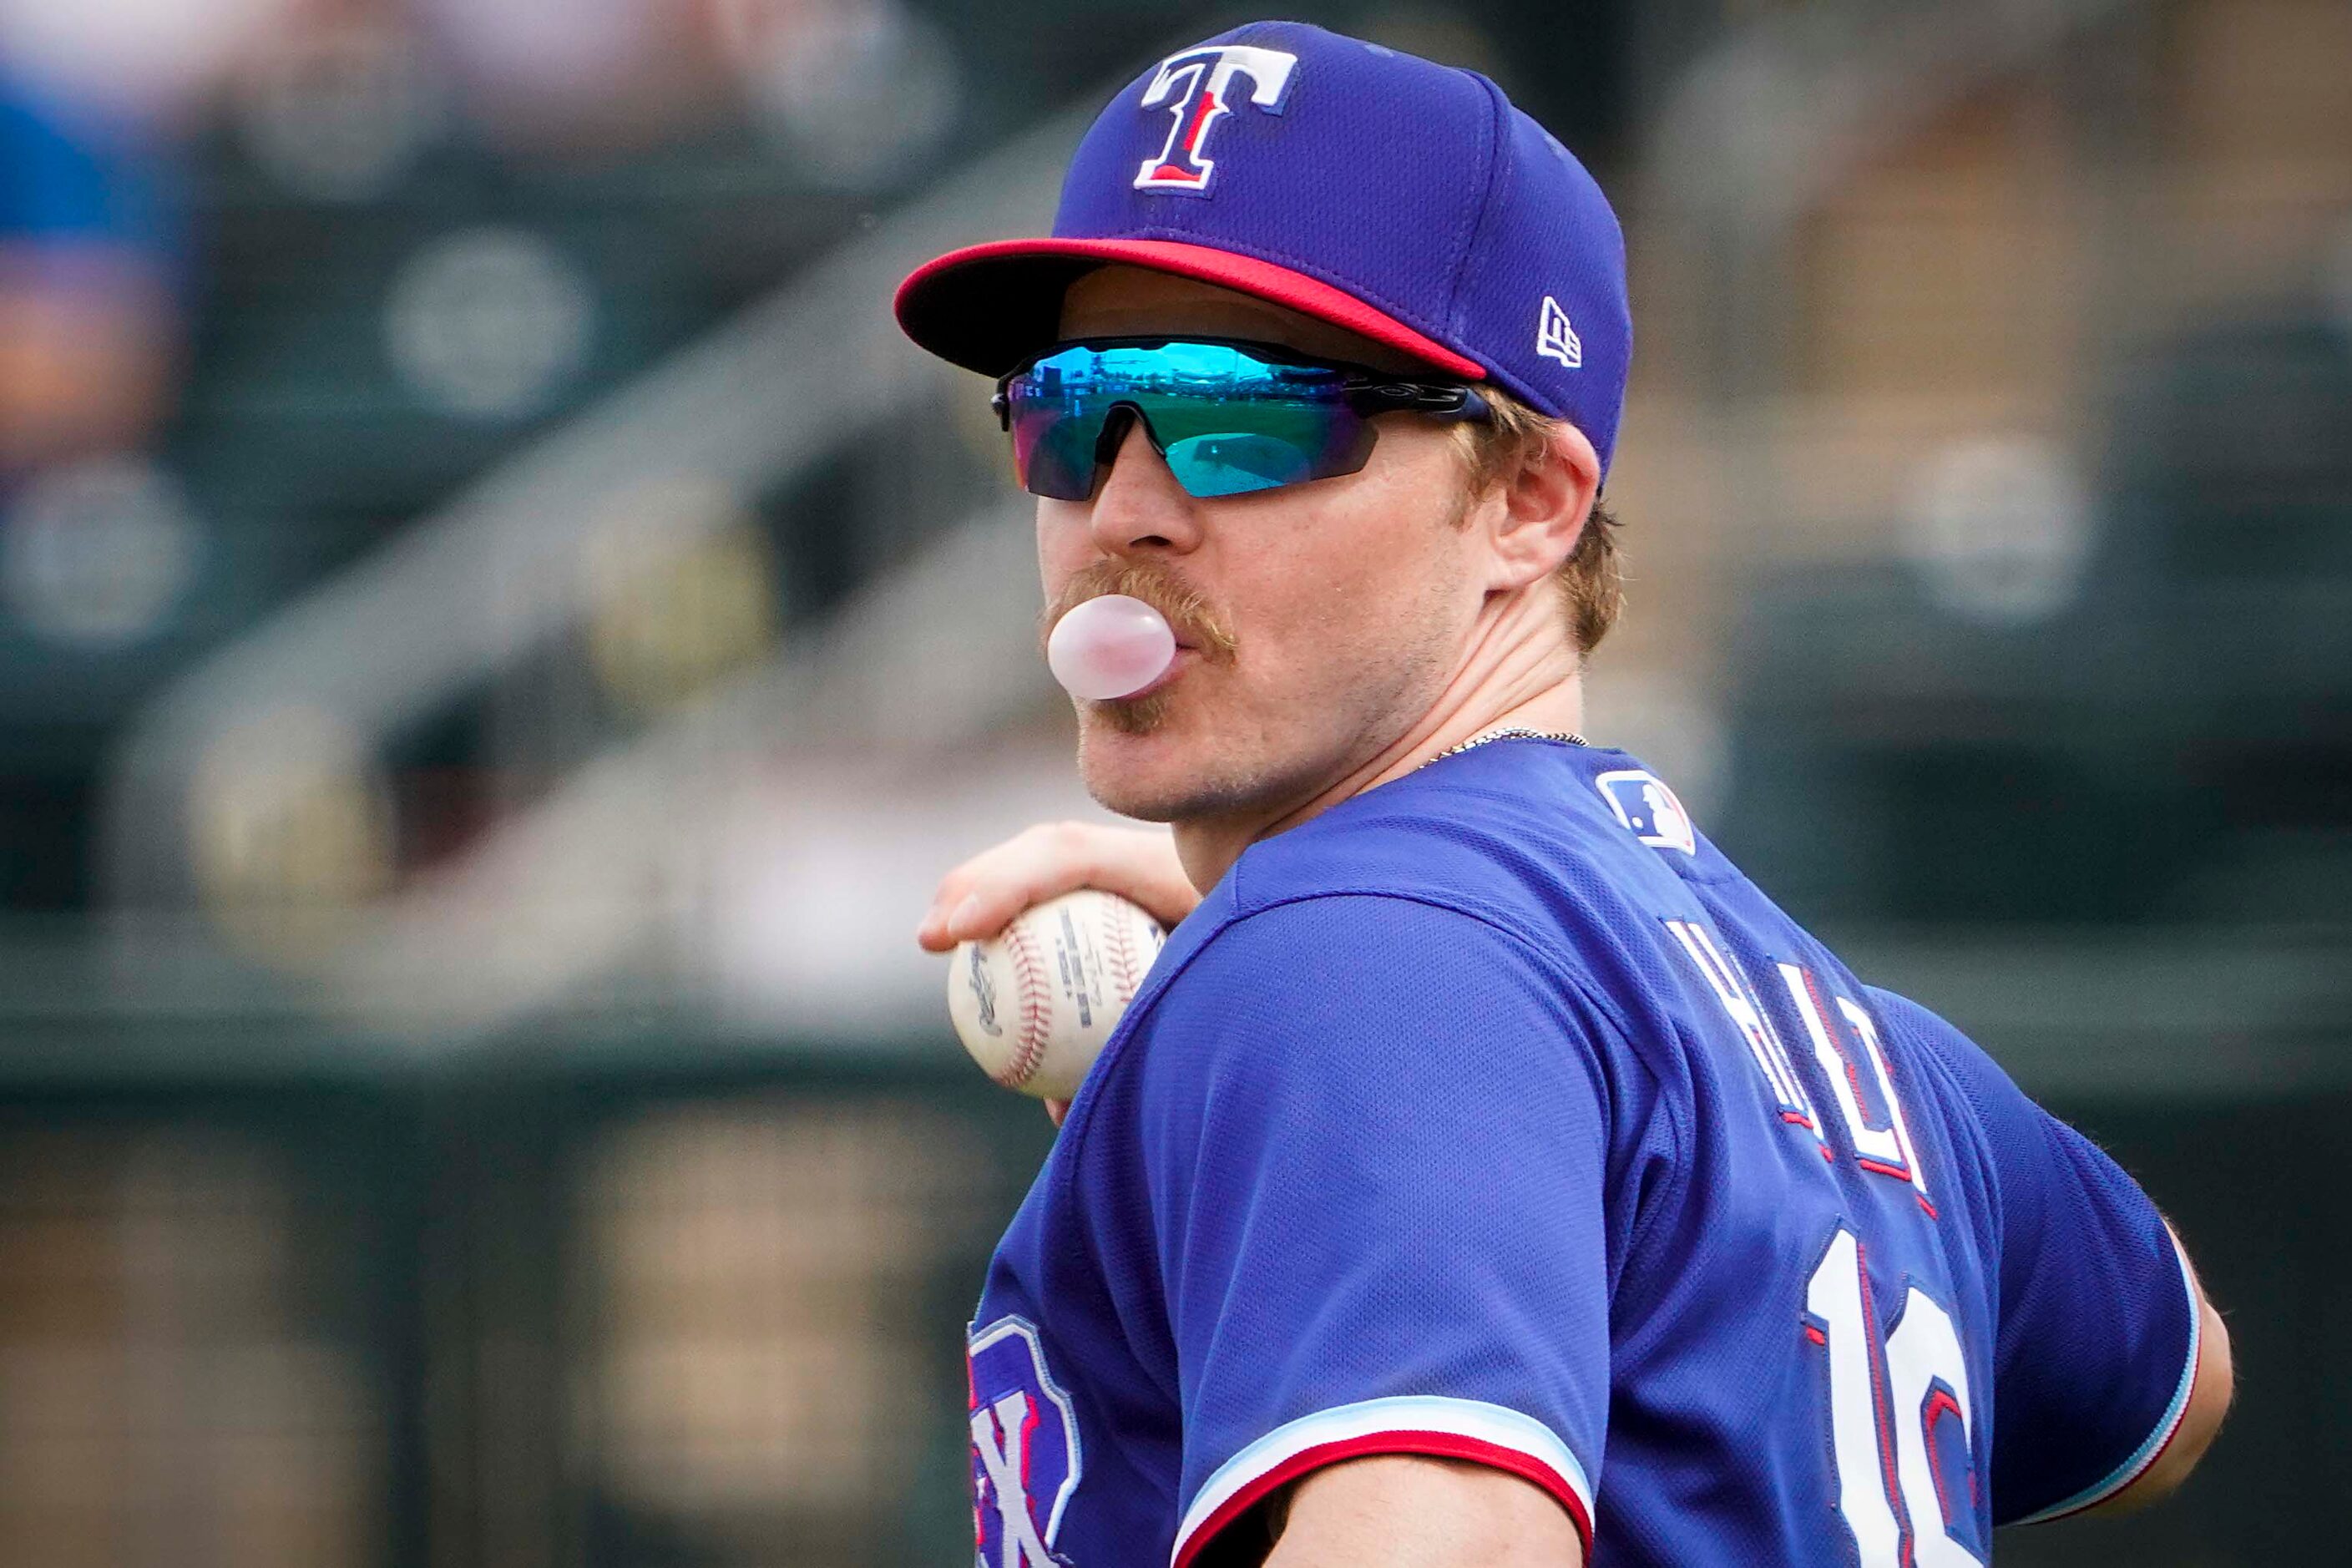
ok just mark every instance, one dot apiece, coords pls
pixel 1536 514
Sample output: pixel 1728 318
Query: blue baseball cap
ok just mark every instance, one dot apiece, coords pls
pixel 1405 200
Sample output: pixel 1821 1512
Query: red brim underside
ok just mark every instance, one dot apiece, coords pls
pixel 988 307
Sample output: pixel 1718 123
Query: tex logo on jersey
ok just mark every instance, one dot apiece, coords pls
pixel 1649 809
pixel 1024 1447
pixel 1196 88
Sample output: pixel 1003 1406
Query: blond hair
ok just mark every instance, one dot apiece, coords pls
pixel 1591 582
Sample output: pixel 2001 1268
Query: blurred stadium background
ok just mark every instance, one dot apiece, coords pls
pixel 497 635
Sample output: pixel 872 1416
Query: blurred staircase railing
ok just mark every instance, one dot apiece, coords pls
pixel 547 898
pixel 469 590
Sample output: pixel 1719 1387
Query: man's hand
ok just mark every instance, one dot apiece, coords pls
pixel 980 897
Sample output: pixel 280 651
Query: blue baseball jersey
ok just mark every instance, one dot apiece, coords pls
pixel 1493 1114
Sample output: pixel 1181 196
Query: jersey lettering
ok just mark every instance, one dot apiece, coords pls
pixel 1854 1062
pixel 1024 1447
pixel 1732 992
pixel 1928 1378
pixel 1000 1437
pixel 1889 1406
pixel 1837 1297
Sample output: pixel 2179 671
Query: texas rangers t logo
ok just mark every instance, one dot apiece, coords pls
pixel 1024 1447
pixel 1196 88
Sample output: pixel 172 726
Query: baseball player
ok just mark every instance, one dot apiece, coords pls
pixel 1487 1172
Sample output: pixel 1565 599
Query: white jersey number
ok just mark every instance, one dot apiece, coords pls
pixel 1916 1381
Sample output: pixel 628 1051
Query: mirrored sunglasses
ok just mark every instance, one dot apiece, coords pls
pixel 1229 417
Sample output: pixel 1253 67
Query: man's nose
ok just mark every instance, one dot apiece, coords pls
pixel 1140 505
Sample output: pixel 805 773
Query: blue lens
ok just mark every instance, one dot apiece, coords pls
pixel 1228 420
pixel 1235 464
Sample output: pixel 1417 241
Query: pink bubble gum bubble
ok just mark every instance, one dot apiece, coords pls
pixel 1109 647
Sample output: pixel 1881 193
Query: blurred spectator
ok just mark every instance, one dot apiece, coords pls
pixel 86 254
pixel 134 61
pixel 854 92
pixel 575 75
pixel 339 104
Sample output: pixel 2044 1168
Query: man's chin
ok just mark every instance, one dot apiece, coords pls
pixel 1146 772
pixel 1146 793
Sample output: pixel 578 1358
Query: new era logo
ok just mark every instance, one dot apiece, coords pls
pixel 1555 339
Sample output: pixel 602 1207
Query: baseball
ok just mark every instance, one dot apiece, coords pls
pixel 1035 1004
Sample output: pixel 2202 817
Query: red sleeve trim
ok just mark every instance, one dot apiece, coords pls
pixel 1432 1445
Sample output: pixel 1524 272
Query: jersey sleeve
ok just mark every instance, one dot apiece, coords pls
pixel 2096 1351
pixel 1376 1139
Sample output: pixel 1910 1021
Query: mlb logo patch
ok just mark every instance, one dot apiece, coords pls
pixel 1024 1447
pixel 1649 810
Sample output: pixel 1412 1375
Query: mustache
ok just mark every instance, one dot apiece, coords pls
pixel 1186 609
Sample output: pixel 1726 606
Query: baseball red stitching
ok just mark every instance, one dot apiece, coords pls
pixel 1123 955
pixel 1037 1007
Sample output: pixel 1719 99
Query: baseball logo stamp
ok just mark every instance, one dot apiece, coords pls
pixel 1036 1004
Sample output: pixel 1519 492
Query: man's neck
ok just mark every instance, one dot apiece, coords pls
pixel 1529 682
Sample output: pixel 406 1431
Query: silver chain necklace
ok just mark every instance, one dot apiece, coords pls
pixel 1511 733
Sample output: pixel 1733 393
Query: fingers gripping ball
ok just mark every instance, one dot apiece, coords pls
pixel 1035 1004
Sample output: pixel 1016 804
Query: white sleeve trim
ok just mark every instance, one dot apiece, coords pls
pixel 1363 1428
pixel 2132 1468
